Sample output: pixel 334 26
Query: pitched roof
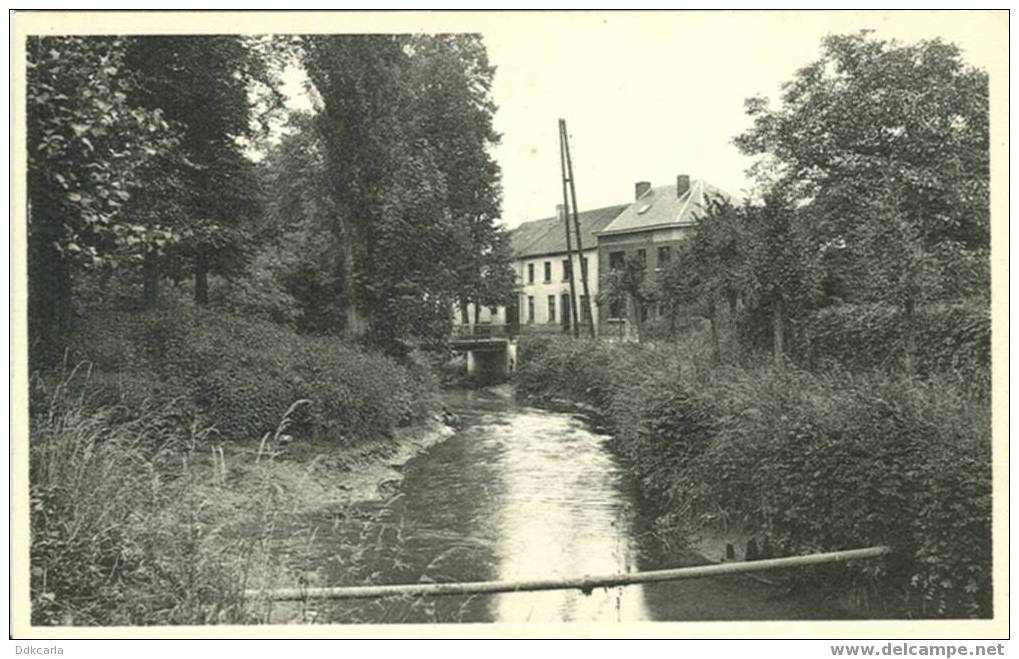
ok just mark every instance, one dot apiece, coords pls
pixel 660 208
pixel 548 236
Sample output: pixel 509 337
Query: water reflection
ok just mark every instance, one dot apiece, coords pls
pixel 520 493
pixel 562 514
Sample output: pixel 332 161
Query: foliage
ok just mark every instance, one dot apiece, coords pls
pixel 241 374
pixel 760 255
pixel 86 140
pixel 256 295
pixel 629 286
pixel 952 340
pixel 135 160
pixel 204 86
pixel 909 119
pixel 118 535
pixel 815 463
pixel 88 146
pixel 781 264
pixel 885 147
pixel 453 111
pixel 710 267
pixel 303 249
pixel 406 125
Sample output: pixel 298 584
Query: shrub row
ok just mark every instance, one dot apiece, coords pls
pixel 241 374
pixel 813 462
pixel 950 339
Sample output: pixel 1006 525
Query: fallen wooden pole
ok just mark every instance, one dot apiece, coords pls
pixel 585 584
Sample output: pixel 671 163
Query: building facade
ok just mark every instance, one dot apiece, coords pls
pixel 648 228
pixel 543 268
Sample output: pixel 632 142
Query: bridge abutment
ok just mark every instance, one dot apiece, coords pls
pixel 489 363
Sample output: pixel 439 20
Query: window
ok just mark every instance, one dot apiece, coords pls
pixel 566 269
pixel 551 307
pixel 465 318
pixel 616 260
pixel 617 309
pixel 548 271
pixel 530 308
pixel 642 257
pixel 583 267
pixel 494 311
pixel 664 256
pixel 530 273
pixel 643 313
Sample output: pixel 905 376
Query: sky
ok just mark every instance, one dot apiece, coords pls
pixel 648 96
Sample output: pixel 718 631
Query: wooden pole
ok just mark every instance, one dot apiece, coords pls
pixel 575 319
pixel 584 584
pixel 576 225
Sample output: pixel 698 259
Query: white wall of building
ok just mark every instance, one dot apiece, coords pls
pixel 540 289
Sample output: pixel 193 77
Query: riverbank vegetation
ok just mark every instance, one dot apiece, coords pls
pixel 821 373
pixel 228 298
pixel 813 461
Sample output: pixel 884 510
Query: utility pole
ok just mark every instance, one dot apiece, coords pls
pixel 574 318
pixel 564 138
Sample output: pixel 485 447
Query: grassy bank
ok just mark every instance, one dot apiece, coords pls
pixel 162 458
pixel 812 462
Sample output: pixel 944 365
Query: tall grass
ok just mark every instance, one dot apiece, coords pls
pixel 152 499
pixel 125 522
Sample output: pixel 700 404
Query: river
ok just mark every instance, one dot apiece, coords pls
pixel 518 493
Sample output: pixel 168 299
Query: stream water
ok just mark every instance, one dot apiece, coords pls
pixel 519 493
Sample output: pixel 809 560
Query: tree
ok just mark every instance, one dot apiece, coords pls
pixel 298 225
pixel 682 285
pixel 204 86
pixel 885 147
pixel 89 149
pixel 709 267
pixel 781 261
pixel 627 286
pixel 453 112
pixel 406 125
pixel 359 79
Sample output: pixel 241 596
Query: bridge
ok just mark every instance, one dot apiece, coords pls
pixel 491 349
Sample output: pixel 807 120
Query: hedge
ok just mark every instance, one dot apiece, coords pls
pixel 950 339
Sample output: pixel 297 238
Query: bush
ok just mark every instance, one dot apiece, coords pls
pixel 814 463
pixel 951 339
pixel 258 294
pixel 240 374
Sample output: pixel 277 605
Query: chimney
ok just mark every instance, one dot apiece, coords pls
pixel 560 212
pixel 641 188
pixel 682 184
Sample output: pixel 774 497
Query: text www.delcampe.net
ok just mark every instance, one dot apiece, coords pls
pixel 899 649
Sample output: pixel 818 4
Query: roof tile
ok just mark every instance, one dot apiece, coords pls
pixel 547 235
pixel 660 207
